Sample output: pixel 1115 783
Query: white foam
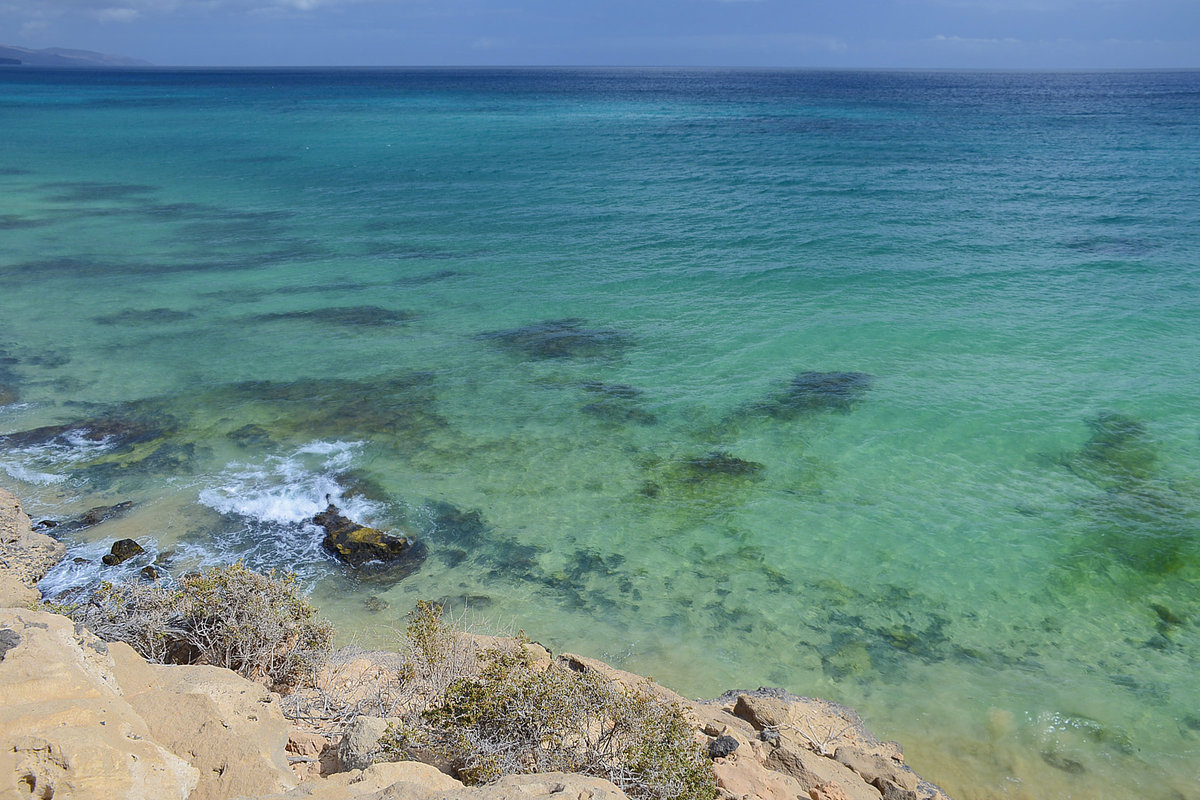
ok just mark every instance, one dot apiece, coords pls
pixel 288 490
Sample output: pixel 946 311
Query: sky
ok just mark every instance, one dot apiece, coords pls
pixel 971 34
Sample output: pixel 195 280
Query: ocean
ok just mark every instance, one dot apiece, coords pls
pixel 876 386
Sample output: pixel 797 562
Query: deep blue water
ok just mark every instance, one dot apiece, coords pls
pixel 879 386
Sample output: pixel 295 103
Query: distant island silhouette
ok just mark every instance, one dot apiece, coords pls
pixel 62 57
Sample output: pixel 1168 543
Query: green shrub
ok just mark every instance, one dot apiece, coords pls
pixel 512 715
pixel 259 625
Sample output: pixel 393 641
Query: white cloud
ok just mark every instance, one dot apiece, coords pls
pixel 115 14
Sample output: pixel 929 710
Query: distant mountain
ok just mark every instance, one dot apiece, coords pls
pixel 61 57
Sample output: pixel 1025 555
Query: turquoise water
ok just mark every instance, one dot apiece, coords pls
pixel 881 387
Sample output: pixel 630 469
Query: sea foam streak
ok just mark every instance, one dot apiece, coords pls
pixel 274 504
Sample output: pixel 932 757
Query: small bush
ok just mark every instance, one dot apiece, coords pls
pixel 259 625
pixel 512 715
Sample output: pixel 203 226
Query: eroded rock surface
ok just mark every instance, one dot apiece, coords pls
pixel 25 555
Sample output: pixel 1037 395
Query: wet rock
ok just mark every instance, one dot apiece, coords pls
pixel 560 338
pixel 149 573
pixel 359 545
pixel 91 518
pixel 122 551
pixel 817 392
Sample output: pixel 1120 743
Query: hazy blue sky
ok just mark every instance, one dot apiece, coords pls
pixel 800 33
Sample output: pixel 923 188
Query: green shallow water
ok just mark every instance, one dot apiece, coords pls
pixel 548 322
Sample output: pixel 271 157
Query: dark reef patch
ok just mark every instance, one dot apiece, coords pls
pixel 559 338
pixel 13 222
pixel 119 433
pixel 428 278
pixel 347 316
pixel 817 392
pixel 401 409
pixel 95 191
pixel 1118 451
pixel 152 316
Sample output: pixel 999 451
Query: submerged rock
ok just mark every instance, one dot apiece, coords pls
pixel 114 431
pixel 559 338
pixel 250 435
pixel 8 395
pixel 359 545
pixel 89 518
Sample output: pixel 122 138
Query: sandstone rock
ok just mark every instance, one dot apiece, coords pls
pixel 229 728
pixel 402 779
pixel 65 731
pixel 311 754
pixel 25 555
pixel 550 786
pixel 812 770
pixel 873 767
pixel 762 712
pixel 619 676
pixel 746 778
pixel 827 791
pixel 892 791
pixel 360 744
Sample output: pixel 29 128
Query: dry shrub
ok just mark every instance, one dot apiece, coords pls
pixel 258 625
pixel 508 714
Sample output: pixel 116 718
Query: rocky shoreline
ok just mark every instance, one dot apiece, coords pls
pixel 84 718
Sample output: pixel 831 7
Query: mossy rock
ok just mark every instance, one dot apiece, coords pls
pixel 359 545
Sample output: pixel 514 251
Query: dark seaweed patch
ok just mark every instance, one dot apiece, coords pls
pixel 133 470
pixel 152 316
pixel 12 222
pixel 1136 520
pixel 114 431
pixel 349 316
pixel 251 436
pixel 616 403
pixel 428 278
pixel 402 408
pixel 818 392
pixel 95 191
pixel 455 526
pixel 1119 450
pixel 718 464
pixel 560 338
